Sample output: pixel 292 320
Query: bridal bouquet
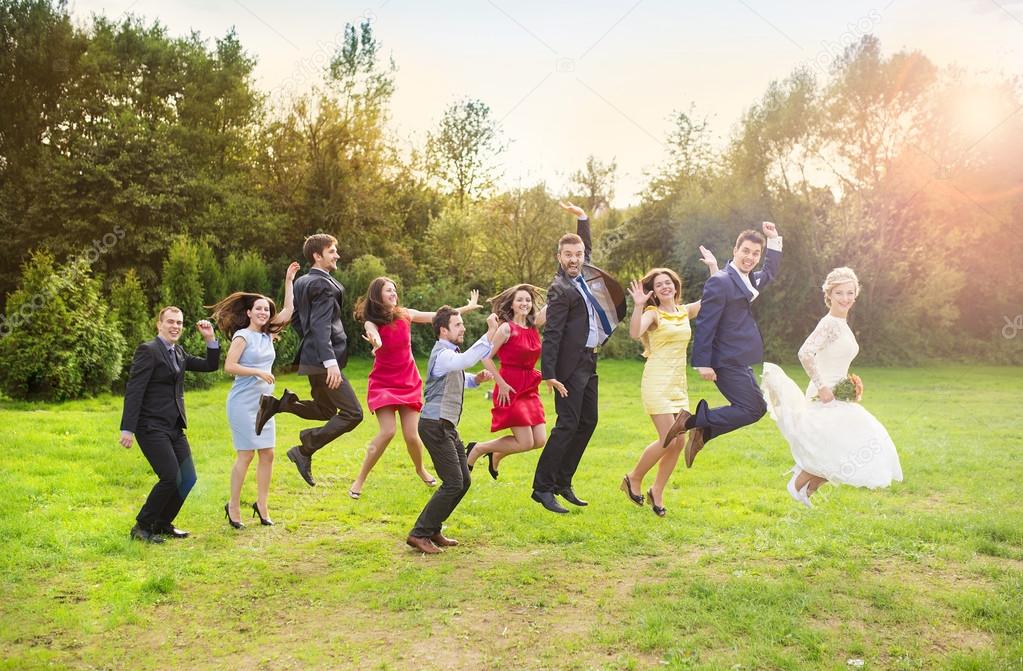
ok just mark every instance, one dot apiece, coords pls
pixel 849 389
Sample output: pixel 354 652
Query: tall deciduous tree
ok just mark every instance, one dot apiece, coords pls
pixel 463 150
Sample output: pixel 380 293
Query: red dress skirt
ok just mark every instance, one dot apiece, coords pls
pixel 518 368
pixel 395 379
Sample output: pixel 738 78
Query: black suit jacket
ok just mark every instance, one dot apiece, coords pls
pixel 154 398
pixel 317 320
pixel 568 317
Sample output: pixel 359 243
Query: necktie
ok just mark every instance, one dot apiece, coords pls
pixel 173 359
pixel 596 306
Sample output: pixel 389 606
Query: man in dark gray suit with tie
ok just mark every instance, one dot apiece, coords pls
pixel 584 304
pixel 322 354
pixel 154 412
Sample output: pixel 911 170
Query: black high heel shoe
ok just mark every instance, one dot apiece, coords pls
pixel 660 511
pixel 490 465
pixel 236 525
pixel 627 488
pixel 265 521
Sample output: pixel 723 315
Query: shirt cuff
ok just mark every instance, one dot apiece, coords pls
pixel 213 344
pixel 774 243
pixel 330 363
pixel 470 381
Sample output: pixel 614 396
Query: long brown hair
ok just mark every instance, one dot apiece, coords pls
pixel 648 283
pixel 502 303
pixel 229 313
pixel 372 308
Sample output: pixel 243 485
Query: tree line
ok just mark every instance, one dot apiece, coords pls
pixel 139 168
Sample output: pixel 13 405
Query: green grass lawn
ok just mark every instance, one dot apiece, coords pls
pixel 925 575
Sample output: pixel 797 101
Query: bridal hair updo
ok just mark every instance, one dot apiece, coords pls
pixel 836 277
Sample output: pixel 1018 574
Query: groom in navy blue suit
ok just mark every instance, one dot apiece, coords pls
pixel 727 341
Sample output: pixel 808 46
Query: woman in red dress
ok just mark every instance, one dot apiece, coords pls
pixel 517 404
pixel 395 386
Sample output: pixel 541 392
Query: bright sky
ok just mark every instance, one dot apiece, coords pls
pixel 569 79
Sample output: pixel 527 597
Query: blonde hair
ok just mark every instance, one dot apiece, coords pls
pixel 836 277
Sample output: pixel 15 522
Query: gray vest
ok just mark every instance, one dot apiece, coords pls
pixel 443 392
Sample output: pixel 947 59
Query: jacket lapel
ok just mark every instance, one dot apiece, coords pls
pixel 734 274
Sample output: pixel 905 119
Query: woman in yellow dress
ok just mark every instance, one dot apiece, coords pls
pixel 664 328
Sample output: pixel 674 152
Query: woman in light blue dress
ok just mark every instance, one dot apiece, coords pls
pixel 252 322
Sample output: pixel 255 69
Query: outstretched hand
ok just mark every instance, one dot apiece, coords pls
pixel 770 230
pixel 577 211
pixel 639 296
pixel 293 268
pixel 708 259
pixel 474 300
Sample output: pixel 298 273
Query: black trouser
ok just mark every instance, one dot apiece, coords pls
pixel 171 458
pixel 445 447
pixel 746 403
pixel 338 406
pixel 577 418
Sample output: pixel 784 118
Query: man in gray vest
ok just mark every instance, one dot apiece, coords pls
pixel 445 386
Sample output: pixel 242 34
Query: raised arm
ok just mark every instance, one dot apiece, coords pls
pixel 708 259
pixel 541 317
pixel 420 317
pixel 772 257
pixel 582 227
pixel 288 309
pixel 211 361
pixel 641 319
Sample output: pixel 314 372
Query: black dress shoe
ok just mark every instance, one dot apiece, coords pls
pixel 145 535
pixel 303 463
pixel 268 406
pixel 171 531
pixel 570 496
pixel 547 500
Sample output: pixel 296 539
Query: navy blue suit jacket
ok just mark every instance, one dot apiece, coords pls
pixel 726 333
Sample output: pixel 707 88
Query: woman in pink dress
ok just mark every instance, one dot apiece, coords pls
pixel 395 387
pixel 517 404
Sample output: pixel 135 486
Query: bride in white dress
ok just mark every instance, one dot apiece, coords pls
pixel 831 440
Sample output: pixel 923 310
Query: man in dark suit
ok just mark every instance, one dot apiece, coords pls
pixel 154 411
pixel 584 304
pixel 727 341
pixel 322 354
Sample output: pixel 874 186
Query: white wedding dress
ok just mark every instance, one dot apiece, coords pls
pixel 840 440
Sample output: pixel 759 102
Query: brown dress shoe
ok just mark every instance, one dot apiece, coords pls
pixel 677 428
pixel 424 545
pixel 441 540
pixel 693 445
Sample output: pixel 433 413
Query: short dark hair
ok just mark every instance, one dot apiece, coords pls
pixel 752 236
pixel 315 244
pixel 569 239
pixel 442 318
